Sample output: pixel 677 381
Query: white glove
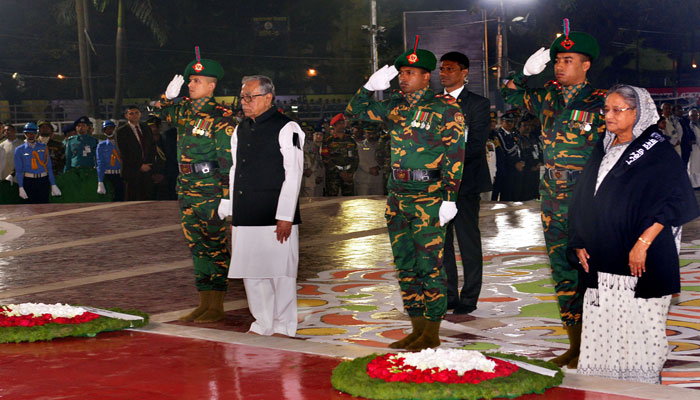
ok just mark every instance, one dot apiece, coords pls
pixel 448 210
pixel 10 179
pixel 101 188
pixel 55 191
pixel 381 78
pixel 537 62
pixel 224 209
pixel 22 193
pixel 173 89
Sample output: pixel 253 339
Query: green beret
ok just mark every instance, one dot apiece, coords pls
pixel 578 42
pixel 204 67
pixel 421 59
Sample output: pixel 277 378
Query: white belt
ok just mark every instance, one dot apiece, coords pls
pixel 112 171
pixel 30 175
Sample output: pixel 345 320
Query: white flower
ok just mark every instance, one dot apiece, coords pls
pixel 456 359
pixel 57 310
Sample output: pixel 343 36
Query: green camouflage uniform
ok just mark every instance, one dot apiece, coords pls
pixel 384 155
pixel 199 194
pixel 426 135
pixel 570 130
pixel 58 156
pixel 339 155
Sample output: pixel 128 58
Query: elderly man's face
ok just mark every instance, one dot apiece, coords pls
pixel 253 102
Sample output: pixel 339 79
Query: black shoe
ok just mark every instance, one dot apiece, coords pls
pixel 463 309
pixel 451 305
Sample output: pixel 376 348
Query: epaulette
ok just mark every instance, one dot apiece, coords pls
pixel 552 83
pixel 450 99
pixel 225 111
pixel 600 92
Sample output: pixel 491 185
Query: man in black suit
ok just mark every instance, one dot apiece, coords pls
pixel 454 68
pixel 135 144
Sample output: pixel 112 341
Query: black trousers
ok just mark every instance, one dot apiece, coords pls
pixel 466 226
pixel 118 185
pixel 38 190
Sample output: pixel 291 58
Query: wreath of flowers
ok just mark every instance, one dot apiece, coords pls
pixel 353 377
pixel 30 322
pixel 445 366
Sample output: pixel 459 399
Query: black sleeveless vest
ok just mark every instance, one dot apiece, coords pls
pixel 259 170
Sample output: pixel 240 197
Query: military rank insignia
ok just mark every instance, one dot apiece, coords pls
pixel 581 120
pixel 421 119
pixel 198 67
pixel 202 127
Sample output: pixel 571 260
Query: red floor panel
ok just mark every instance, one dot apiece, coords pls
pixel 136 365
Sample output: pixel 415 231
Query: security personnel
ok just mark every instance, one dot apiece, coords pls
pixel 56 148
pixel 109 163
pixel 204 131
pixel 80 148
pixel 33 169
pixel 509 163
pixel 569 111
pixel 427 156
pixel 340 159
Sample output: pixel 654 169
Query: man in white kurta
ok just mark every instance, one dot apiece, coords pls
pixel 265 180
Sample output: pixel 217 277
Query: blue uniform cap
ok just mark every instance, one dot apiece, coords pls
pixel 84 120
pixel 30 127
pixel 68 128
pixel 107 123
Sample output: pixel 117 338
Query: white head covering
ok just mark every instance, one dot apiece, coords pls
pixel 646 114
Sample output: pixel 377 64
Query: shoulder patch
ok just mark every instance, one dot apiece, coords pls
pixel 446 97
pixel 229 130
pixel 599 92
pixel 459 117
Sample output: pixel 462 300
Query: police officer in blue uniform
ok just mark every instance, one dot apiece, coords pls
pixel 109 163
pixel 81 148
pixel 33 169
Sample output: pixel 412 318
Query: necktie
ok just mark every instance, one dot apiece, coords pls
pixel 140 135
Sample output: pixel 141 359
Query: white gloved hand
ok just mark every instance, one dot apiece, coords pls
pixel 10 179
pixel 101 188
pixel 381 78
pixel 224 209
pixel 55 191
pixel 537 62
pixel 448 210
pixel 22 193
pixel 173 89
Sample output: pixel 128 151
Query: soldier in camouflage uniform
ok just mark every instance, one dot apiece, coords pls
pixel 204 155
pixel 427 155
pixel 569 111
pixel 339 154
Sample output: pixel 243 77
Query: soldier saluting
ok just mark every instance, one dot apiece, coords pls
pixel 569 110
pixel 427 155
pixel 204 155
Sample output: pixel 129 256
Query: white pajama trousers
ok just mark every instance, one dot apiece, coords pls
pixel 273 303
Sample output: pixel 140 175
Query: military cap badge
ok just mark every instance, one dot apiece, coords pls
pixel 198 66
pixel 567 43
pixel 413 57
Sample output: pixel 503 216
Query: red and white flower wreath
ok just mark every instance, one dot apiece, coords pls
pixel 35 314
pixel 438 365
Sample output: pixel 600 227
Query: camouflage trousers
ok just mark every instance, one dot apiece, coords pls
pixel 204 230
pixel 555 211
pixel 417 242
pixel 335 184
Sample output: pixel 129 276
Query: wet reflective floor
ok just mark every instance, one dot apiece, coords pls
pixel 133 256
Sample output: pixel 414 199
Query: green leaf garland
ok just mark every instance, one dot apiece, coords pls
pixel 351 377
pixel 17 334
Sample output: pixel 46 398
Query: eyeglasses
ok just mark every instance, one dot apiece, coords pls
pixel 615 111
pixel 249 98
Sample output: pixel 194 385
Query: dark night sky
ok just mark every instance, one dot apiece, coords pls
pixel 326 35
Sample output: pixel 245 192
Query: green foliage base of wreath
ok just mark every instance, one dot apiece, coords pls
pixel 18 334
pixel 351 377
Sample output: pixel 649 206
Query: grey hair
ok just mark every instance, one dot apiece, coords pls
pixel 629 95
pixel 266 85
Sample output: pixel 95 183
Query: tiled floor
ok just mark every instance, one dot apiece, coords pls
pixel 132 255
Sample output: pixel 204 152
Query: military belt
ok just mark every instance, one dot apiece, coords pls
pixel 420 175
pixel 561 174
pixel 344 168
pixel 30 175
pixel 112 171
pixel 198 168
